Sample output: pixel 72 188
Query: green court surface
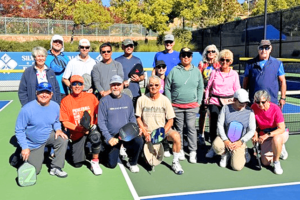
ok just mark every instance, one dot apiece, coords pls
pixel 82 184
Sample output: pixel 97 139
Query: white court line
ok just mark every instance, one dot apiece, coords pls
pixel 128 181
pixel 220 190
pixel 6 104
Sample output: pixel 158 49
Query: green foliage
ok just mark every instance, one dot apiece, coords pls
pixel 182 36
pixel 273 5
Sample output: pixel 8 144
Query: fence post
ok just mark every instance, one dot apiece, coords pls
pixel 66 27
pixel 280 32
pixel 81 30
pixel 220 36
pixel 27 26
pixel 246 39
pixel 5 24
pixel 48 28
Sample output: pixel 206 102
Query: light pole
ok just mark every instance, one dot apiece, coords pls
pixel 265 26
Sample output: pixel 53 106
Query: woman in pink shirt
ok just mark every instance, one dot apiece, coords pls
pixel 271 132
pixel 223 82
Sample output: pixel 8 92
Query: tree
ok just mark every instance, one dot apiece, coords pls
pixel 20 8
pixel 272 6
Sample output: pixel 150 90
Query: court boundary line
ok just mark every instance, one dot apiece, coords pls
pixel 128 181
pixel 219 190
pixel 6 104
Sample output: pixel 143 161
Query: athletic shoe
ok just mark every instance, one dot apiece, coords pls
pixel 193 157
pixel 95 167
pixel 210 153
pixel 284 154
pixel 177 168
pixel 201 141
pixel 277 168
pixel 247 156
pixel 58 172
pixel 182 155
pixel 123 153
pixel 224 160
pixel 167 154
pixel 133 168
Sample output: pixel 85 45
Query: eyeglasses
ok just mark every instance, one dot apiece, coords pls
pixel 130 45
pixel 213 51
pixel 259 102
pixel 223 60
pixel 76 83
pixel 83 47
pixel 152 85
pixel 169 42
pixel 264 47
pixel 161 66
pixel 186 55
pixel 105 52
pixel 58 41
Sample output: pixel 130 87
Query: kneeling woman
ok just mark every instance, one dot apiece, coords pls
pixel 271 132
pixel 236 125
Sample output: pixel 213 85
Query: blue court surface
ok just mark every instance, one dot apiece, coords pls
pixel 3 104
pixel 290 191
pixel 290 108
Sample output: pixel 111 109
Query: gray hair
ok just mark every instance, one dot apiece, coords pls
pixel 39 51
pixel 153 77
pixel 204 54
pixel 262 93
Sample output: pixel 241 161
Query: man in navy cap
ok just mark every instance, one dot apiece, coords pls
pixel 38 126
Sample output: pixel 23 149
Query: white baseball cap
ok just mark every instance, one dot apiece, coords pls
pixel 84 42
pixel 242 95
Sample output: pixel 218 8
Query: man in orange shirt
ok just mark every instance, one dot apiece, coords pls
pixel 72 109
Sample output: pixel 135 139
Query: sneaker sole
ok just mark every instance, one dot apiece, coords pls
pixel 58 176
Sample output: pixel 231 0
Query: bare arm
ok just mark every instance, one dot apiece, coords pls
pixel 66 82
pixel 282 82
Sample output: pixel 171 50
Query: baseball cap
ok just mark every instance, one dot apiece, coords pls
pixel 116 79
pixel 160 62
pixel 85 42
pixel 44 86
pixel 242 95
pixel 127 42
pixel 169 37
pixel 76 78
pixel 264 43
pixel 186 50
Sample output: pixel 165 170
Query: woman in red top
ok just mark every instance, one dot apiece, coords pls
pixel 210 62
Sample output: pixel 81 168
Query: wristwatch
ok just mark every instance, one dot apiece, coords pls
pixel 282 98
pixel 269 133
pixel 242 141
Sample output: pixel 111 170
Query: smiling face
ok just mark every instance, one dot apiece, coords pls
pixel 154 86
pixel 211 54
pixel 169 45
pixel 225 62
pixel 44 97
pixel 57 45
pixel 160 70
pixel 186 59
pixel 77 87
pixel 128 49
pixel 106 53
pixel 264 52
pixel 84 50
pixel 40 60
pixel 116 89
pixel 263 103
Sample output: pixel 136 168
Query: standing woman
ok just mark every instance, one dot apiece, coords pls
pixel 184 88
pixel 221 86
pixel 210 62
pixel 36 74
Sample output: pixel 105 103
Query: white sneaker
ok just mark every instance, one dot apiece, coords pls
pixel 277 168
pixel 182 155
pixel 247 156
pixel 58 172
pixel 177 168
pixel 123 153
pixel 210 153
pixel 224 160
pixel 95 167
pixel 167 154
pixel 193 157
pixel 133 168
pixel 284 154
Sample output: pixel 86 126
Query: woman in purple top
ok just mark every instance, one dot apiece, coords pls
pixel 223 82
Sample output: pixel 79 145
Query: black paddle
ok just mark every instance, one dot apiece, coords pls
pixel 257 154
pixel 128 132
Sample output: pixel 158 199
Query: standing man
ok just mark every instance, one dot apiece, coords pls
pixel 71 112
pixel 57 61
pixel 154 111
pixel 263 73
pixel 38 126
pixel 115 111
pixel 169 56
pixel 104 70
pixel 128 61
pixel 81 65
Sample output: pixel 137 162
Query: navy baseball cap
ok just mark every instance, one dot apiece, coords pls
pixel 44 86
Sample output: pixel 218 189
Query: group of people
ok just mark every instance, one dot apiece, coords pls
pixel 176 92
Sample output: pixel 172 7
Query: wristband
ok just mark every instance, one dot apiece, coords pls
pixel 282 98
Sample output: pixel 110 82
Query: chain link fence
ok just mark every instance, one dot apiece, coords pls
pixel 30 26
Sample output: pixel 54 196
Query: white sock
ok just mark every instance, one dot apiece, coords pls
pixel 275 162
pixel 176 156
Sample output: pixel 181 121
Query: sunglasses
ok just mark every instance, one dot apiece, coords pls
pixel 186 55
pixel 213 51
pixel 116 84
pixel 105 52
pixel 83 47
pixel 264 47
pixel 152 85
pixel 76 83
pixel 223 60
pixel 259 102
pixel 161 66
pixel 240 102
pixel 169 42
pixel 57 41
pixel 130 45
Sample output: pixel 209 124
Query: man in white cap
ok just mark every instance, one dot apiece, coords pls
pixel 265 73
pixel 81 65
pixel 169 56
pixel 57 61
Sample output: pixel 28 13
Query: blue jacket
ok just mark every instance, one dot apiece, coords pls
pixel 263 79
pixel 28 84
